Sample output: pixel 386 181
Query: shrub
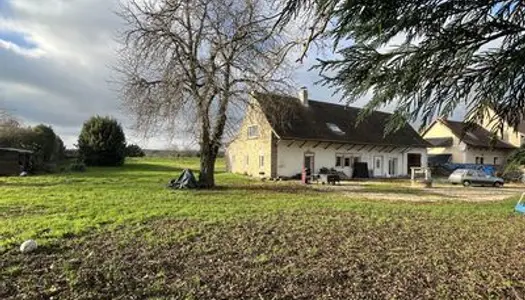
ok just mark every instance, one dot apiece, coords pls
pixel 77 167
pixel 47 147
pixel 133 150
pixel 513 165
pixel 102 142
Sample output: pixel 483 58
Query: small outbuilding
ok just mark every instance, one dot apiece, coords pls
pixel 13 161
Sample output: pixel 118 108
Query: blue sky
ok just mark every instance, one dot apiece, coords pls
pixel 17 38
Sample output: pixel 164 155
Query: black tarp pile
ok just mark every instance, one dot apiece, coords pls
pixel 186 180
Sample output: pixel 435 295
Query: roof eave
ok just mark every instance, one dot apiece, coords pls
pixel 352 142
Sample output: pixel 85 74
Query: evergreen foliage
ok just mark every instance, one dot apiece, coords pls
pixel 133 150
pixel 427 57
pixel 47 147
pixel 102 142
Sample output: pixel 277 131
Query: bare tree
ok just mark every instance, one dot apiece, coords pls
pixel 193 61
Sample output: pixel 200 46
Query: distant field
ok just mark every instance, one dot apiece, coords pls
pixel 120 233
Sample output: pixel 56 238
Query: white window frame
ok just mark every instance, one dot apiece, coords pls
pixel 496 160
pixel 253 134
pixel 350 159
pixel 480 160
pixel 393 169
pixel 341 157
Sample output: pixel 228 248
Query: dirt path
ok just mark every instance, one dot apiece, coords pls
pixel 440 192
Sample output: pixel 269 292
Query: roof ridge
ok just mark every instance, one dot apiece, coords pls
pixel 322 102
pixel 309 122
pixel 462 134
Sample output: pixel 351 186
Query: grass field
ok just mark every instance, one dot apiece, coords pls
pixel 120 233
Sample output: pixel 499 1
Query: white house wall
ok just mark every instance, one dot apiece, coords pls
pixel 488 155
pixel 291 155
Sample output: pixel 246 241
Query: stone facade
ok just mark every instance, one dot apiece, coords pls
pixel 251 152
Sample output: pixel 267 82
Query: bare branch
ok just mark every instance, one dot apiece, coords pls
pixel 185 64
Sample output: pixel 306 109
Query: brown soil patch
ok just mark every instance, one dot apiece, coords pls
pixel 325 255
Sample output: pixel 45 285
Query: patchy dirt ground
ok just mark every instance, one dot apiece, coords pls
pixel 326 255
pixel 404 191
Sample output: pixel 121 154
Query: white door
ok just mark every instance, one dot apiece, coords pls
pixel 347 165
pixel 378 166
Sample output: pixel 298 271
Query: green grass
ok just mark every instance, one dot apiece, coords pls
pixel 271 232
pixel 53 206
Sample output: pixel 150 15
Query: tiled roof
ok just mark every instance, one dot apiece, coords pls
pixel 322 121
pixel 475 135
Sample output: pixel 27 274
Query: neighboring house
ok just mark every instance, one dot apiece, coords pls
pixel 13 161
pixel 281 134
pixel 452 142
pixel 505 132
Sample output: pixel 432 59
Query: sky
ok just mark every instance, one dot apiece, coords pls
pixel 55 66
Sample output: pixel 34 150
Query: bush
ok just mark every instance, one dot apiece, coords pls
pixel 133 150
pixel 77 167
pixel 513 167
pixel 47 147
pixel 102 142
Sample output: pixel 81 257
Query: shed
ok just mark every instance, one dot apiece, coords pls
pixel 13 161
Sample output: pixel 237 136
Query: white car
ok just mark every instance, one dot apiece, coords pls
pixel 474 177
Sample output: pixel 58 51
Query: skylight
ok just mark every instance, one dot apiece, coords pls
pixel 472 136
pixel 335 129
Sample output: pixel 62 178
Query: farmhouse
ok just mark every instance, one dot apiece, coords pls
pixel 454 142
pixel 13 161
pixel 282 134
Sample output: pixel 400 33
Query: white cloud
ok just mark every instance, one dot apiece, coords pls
pixel 63 78
pixel 10 46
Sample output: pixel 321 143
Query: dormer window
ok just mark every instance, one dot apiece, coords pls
pixel 335 129
pixel 253 131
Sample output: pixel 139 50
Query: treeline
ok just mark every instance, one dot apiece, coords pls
pixel 101 142
pixel 48 148
pixel 175 153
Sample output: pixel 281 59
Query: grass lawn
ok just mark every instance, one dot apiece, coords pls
pixel 119 233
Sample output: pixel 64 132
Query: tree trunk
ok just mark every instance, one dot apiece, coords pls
pixel 207 167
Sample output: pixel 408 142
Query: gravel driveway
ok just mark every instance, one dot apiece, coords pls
pixel 403 190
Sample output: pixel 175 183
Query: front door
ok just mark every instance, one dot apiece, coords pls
pixel 378 166
pixel 309 162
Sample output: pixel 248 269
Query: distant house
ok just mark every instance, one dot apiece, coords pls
pixel 13 161
pixel 282 134
pixel 454 142
pixel 506 133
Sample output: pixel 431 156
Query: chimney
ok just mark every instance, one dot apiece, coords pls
pixel 303 96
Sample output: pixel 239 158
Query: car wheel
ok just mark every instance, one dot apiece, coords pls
pixel 498 184
pixel 466 183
